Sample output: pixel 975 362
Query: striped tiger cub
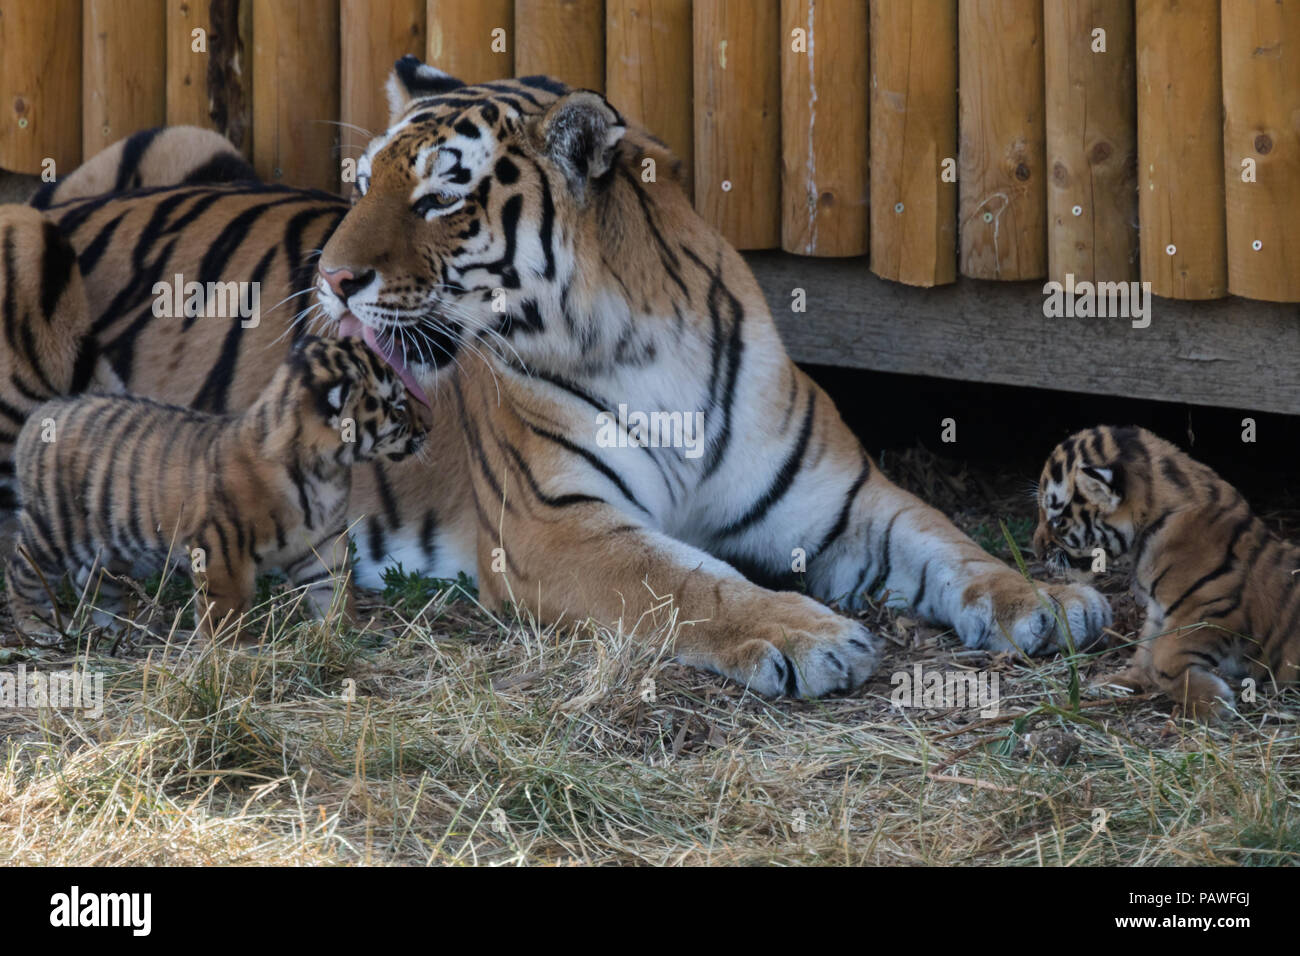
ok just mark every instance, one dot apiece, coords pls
pixel 120 482
pixel 1221 591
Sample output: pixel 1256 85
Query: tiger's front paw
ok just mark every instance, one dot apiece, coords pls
pixel 810 653
pixel 1011 614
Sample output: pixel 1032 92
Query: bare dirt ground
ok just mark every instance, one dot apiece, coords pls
pixel 445 732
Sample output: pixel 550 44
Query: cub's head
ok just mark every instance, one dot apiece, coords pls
pixel 468 213
pixel 351 403
pixel 1086 495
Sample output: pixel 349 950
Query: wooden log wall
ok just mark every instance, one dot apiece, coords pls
pixel 738 119
pixel 648 70
pixel 914 141
pixel 1151 141
pixel 473 42
pixel 824 188
pixel 1003 200
pixel 561 38
pixel 122 88
pixel 371 37
pixel 1261 147
pixel 1180 149
pixel 40 85
pixel 296 92
pixel 1091 140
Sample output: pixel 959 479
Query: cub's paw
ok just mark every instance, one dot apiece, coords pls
pixel 820 654
pixel 1008 613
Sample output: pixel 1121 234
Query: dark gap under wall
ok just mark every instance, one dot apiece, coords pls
pixel 1009 428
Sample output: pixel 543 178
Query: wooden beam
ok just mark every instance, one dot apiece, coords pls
pixel 1230 352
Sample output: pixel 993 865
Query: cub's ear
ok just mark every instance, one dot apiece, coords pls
pixel 412 79
pixel 1101 484
pixel 579 133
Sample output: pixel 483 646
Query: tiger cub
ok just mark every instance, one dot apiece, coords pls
pixel 118 482
pixel 1221 591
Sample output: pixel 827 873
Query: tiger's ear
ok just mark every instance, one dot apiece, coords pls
pixel 1101 485
pixel 412 79
pixel 579 133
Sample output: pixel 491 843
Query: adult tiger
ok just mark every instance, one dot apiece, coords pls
pixel 508 259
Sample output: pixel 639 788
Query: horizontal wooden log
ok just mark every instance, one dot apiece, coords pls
pixel 1231 352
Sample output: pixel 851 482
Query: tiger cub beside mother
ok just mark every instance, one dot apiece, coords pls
pixel 506 258
pixel 1220 590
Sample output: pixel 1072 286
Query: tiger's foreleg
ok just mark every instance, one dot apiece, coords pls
pixel 878 542
pixel 591 562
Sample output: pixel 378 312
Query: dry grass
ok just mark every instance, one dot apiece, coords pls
pixel 475 738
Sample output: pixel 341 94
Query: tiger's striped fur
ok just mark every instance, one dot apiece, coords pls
pixel 48 347
pixel 162 156
pixel 1221 591
pixel 125 484
pixel 508 258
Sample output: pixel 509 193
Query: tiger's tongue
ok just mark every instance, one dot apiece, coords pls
pixel 350 325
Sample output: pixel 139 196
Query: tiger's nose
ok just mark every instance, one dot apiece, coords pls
pixel 345 282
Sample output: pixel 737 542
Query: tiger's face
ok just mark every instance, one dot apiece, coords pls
pixel 358 405
pixel 461 233
pixel 1081 501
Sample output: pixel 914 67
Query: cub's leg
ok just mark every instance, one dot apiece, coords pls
pixel 224 591
pixel 1169 658
pixel 105 595
pixel 32 572
pixel 325 572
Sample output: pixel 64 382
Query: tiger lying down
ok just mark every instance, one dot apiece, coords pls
pixel 221 497
pixel 506 257
pixel 1221 591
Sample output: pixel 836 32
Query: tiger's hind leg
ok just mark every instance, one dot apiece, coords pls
pixel 1176 664
pixel 48 349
